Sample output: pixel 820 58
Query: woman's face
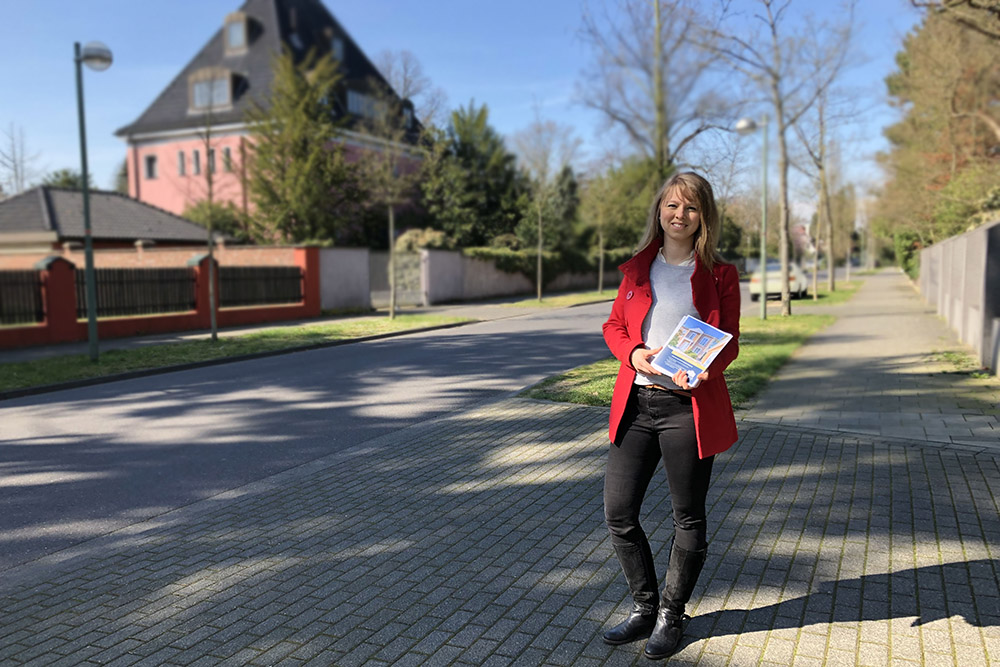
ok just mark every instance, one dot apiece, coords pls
pixel 679 218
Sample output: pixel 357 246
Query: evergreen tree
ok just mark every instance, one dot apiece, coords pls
pixel 223 218
pixel 559 215
pixel 300 180
pixel 70 179
pixel 471 183
pixel 121 178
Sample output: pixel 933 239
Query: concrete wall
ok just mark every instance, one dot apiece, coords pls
pixel 451 276
pixel 344 278
pixel 408 277
pixel 960 278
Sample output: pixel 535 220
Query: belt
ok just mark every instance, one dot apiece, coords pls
pixel 678 392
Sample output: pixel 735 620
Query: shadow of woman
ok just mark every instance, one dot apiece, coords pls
pixel 966 589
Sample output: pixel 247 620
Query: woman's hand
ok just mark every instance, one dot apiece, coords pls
pixel 640 360
pixel 680 378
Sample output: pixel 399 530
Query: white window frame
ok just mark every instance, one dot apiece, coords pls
pixel 241 26
pixel 181 166
pixel 196 162
pixel 149 162
pixel 210 88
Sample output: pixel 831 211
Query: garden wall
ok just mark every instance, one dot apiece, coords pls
pixel 448 276
pixel 960 278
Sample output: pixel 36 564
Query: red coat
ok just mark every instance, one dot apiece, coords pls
pixel 716 297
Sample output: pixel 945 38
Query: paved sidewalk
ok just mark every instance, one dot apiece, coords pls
pixel 478 539
pixel 882 369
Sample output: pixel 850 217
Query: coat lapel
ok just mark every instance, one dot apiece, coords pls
pixel 704 293
pixel 636 269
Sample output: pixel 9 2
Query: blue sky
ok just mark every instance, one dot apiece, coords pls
pixel 513 55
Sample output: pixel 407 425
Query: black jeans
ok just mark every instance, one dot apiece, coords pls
pixel 661 426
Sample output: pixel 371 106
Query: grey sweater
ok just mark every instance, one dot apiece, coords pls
pixel 671 287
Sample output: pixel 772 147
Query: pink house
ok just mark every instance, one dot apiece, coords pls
pixel 196 127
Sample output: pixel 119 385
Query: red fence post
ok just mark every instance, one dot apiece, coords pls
pixel 307 258
pixel 59 299
pixel 201 305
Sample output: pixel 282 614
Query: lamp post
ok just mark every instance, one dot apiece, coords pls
pixel 747 126
pixel 97 57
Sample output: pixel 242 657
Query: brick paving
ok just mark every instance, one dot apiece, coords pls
pixel 478 539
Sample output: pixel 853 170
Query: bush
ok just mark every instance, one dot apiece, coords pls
pixel 907 247
pixel 508 241
pixel 415 239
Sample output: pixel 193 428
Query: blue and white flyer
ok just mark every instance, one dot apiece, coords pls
pixel 692 347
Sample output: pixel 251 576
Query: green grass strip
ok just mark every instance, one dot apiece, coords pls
pixel 844 291
pixel 563 300
pixel 66 368
pixel 764 347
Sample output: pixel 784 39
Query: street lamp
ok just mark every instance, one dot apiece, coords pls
pixel 745 126
pixel 97 57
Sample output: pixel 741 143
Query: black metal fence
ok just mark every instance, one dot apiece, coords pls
pixel 124 292
pixel 21 297
pixel 259 285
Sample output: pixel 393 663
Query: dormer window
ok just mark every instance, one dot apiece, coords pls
pixel 210 88
pixel 361 104
pixel 236 33
pixel 337 49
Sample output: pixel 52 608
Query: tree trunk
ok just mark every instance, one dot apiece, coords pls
pixel 600 260
pixel 847 264
pixel 538 271
pixel 786 296
pixel 392 263
pixel 819 236
pixel 658 101
pixel 209 182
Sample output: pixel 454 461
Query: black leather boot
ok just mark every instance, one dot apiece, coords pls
pixel 637 564
pixel 682 575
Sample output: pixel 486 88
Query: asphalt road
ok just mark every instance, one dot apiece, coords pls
pixel 81 463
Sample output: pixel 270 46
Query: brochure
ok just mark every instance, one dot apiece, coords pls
pixel 691 347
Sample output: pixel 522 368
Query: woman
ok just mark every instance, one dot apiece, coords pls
pixel 678 272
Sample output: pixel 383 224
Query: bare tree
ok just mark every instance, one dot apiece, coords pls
pixel 389 167
pixel 406 76
pixel 816 149
pixel 598 204
pixel 17 169
pixel 643 84
pixel 544 148
pixel 205 137
pixel 793 68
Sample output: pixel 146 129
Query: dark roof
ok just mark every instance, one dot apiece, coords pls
pixel 299 25
pixel 25 212
pixel 113 217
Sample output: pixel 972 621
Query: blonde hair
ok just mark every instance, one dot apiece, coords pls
pixel 694 188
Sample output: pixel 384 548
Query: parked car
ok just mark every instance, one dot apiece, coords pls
pixel 798 284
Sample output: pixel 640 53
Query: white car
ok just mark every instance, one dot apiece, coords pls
pixel 798 284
